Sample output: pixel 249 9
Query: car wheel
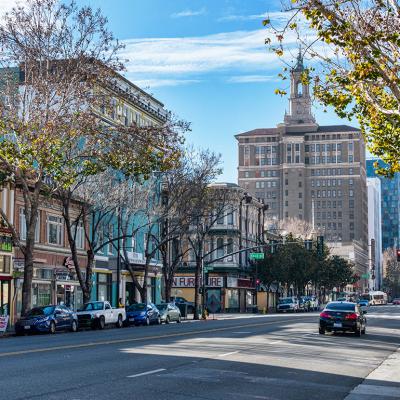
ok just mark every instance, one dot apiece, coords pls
pixel 147 322
pixel 179 320
pixel 52 327
pixel 102 322
pixel 119 321
pixel 167 320
pixel 74 326
pixel 159 320
pixel 321 331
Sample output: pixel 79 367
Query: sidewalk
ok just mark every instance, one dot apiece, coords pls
pixel 383 383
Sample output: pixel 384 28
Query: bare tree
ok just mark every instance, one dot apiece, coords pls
pixel 58 64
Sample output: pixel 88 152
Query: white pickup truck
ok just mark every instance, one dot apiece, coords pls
pixel 98 314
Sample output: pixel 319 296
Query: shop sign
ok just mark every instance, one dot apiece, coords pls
pixel 231 282
pixel 5 240
pixel 3 323
pixel 244 283
pixel 62 275
pixel 189 281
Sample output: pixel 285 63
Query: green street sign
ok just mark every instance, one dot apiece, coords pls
pixel 208 269
pixel 257 256
pixel 365 276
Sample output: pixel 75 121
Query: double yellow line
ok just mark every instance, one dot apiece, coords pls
pixel 117 341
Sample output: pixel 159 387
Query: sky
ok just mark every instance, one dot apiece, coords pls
pixel 207 62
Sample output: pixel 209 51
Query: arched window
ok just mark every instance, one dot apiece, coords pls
pixel 299 90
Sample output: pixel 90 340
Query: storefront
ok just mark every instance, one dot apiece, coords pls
pixel 5 271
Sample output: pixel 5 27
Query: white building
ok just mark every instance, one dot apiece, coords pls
pixel 374 233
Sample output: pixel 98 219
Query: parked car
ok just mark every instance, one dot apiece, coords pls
pixel 182 301
pixel 286 304
pixel 305 303
pixel 98 314
pixel 47 319
pixel 169 312
pixel 342 316
pixel 396 302
pixel 142 314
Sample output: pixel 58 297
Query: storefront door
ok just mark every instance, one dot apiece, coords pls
pixel 5 297
pixel 70 296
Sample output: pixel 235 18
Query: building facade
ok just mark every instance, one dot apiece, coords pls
pixel 7 194
pixel 374 233
pixel 390 205
pixel 311 172
pixel 230 281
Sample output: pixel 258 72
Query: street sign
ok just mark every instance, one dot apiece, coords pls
pixel 365 276
pixel 257 256
pixel 208 269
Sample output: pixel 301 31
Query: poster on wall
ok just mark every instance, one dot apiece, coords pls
pixel 3 323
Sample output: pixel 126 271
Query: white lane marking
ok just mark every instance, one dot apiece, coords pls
pixel 277 341
pixel 242 332
pixel 147 373
pixel 228 354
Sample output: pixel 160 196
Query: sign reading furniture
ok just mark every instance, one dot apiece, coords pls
pixel 189 281
pixel 5 240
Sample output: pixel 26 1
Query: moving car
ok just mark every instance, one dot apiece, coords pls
pixel 396 302
pixel 47 319
pixel 344 317
pixel 169 312
pixel 181 301
pixel 98 314
pixel 142 314
pixel 363 303
pixel 288 304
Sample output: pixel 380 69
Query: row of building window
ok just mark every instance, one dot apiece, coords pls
pixel 330 193
pixel 337 159
pixel 332 171
pixel 324 148
pixel 334 136
pixel 266 184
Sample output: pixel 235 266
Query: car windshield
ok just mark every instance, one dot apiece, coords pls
pixel 286 300
pixel 95 306
pixel 137 307
pixel 40 311
pixel 162 307
pixel 341 306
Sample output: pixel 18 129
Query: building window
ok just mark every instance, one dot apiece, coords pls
pixel 5 262
pixel 300 206
pixel 351 193
pixel 22 226
pixel 220 247
pixel 103 287
pixel 300 184
pixel 300 195
pixel 229 249
pixel 54 230
pixel 79 235
pixel 230 218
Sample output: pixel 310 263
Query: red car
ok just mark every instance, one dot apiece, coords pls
pixel 396 302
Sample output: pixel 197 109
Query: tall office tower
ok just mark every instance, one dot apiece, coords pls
pixel 374 233
pixel 390 205
pixel 310 172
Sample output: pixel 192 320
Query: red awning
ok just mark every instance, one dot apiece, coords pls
pixel 5 278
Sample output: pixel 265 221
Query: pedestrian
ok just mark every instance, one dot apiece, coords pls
pixel 120 304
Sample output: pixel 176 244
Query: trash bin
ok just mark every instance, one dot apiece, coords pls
pixel 183 309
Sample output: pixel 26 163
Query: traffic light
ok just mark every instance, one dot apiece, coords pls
pixel 320 245
pixel 398 255
pixel 308 244
pixel 258 284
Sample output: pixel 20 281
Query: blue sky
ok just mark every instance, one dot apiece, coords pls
pixel 207 62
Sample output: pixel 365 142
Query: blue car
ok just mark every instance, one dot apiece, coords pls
pixel 47 319
pixel 142 314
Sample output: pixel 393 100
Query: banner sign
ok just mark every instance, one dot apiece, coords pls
pixel 3 323
pixel 5 240
pixel 189 281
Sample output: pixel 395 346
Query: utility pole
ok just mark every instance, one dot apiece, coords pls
pixel 118 254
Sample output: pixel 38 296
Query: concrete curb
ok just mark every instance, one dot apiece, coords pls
pixel 383 383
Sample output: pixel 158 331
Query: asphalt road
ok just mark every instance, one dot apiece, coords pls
pixel 263 357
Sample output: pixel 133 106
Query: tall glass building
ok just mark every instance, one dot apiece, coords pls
pixel 390 205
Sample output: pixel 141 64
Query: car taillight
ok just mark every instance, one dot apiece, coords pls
pixel 325 315
pixel 351 316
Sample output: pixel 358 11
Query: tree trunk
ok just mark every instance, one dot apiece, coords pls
pixel 196 288
pixel 28 276
pixel 146 275
pixel 87 290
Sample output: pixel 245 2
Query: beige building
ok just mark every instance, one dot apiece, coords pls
pixel 311 172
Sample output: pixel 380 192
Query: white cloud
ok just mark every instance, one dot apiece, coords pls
pixel 252 78
pixel 276 16
pixel 7 5
pixel 189 13
pixel 240 50
pixel 152 83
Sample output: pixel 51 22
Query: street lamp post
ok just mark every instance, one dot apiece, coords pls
pixel 118 255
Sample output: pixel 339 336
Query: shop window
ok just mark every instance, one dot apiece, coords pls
pixel 220 247
pixel 103 287
pixel 54 230
pixel 230 218
pixel 229 249
pixel 5 262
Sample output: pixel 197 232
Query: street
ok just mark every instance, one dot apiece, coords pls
pixel 245 357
